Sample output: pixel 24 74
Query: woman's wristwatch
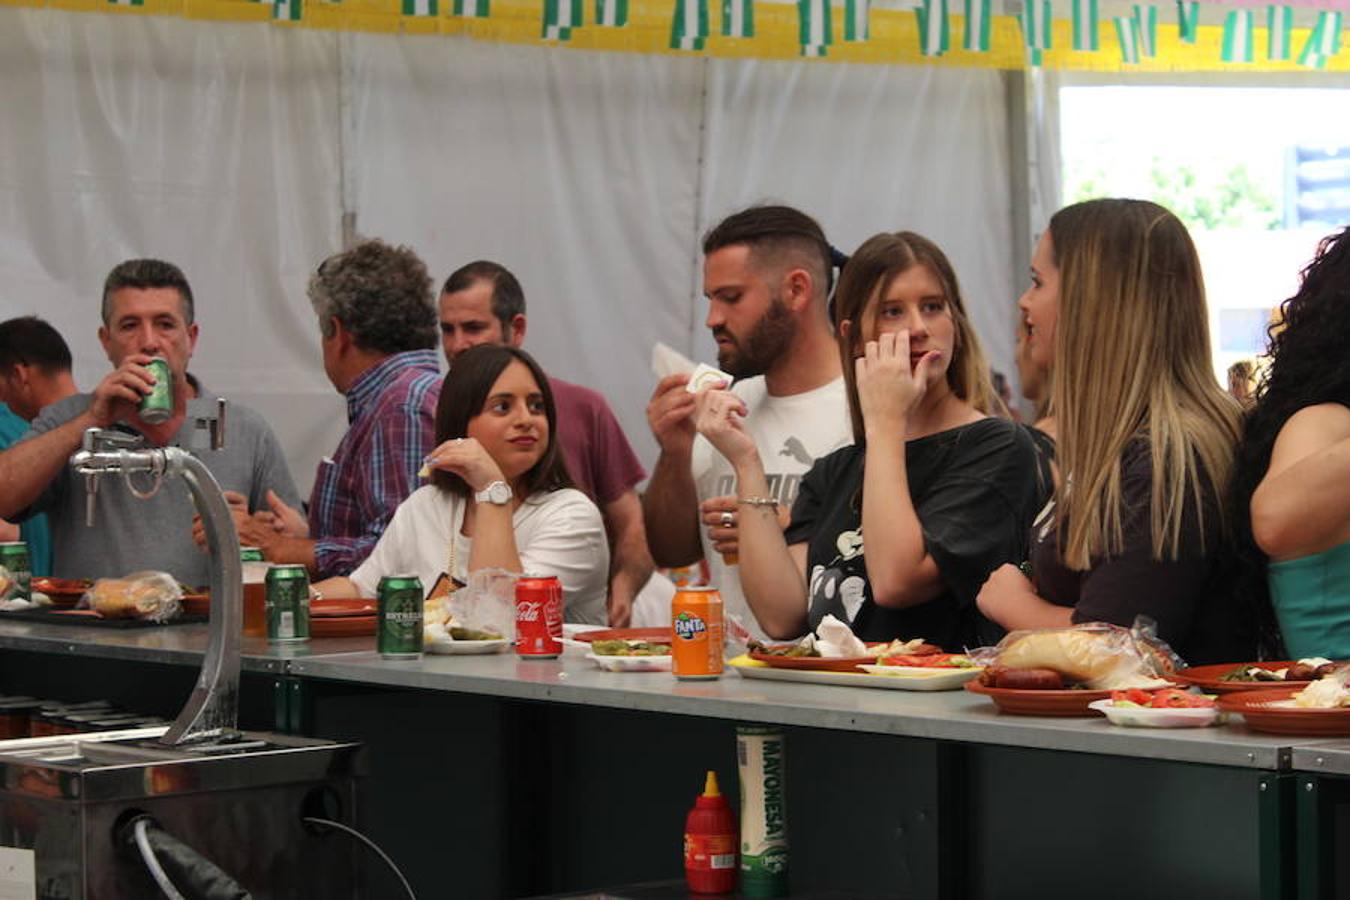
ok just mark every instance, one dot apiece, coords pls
pixel 498 492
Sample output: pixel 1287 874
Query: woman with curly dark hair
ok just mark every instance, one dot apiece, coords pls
pixel 1293 469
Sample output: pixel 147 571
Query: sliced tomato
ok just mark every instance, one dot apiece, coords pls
pixel 927 661
pixel 1173 698
pixel 1133 695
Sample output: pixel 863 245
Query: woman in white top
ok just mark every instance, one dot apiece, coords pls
pixel 499 485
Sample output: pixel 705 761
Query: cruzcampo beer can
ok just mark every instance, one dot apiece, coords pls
pixel 287 604
pixel 696 626
pixel 14 557
pixel 400 618
pixel 157 406
pixel 764 846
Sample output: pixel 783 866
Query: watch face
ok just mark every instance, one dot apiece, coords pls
pixel 498 492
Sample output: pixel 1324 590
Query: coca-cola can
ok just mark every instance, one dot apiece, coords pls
pixel 539 617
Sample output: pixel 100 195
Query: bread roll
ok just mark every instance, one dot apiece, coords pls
pixel 1102 659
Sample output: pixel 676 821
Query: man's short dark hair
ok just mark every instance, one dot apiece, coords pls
pixel 145 274
pixel 30 341
pixel 771 231
pixel 381 294
pixel 508 299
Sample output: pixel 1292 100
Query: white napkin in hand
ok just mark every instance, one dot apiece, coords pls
pixel 666 361
pixel 836 640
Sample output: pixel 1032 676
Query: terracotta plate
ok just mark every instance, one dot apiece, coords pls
pixel 341 626
pixel 341 606
pixel 813 663
pixel 1262 711
pixel 1062 704
pixel 196 604
pixel 1207 677
pixel 658 635
pixel 65 592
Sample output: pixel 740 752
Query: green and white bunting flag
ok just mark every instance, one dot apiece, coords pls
pixel 857 14
pixel 1188 20
pixel 286 10
pixel 976 32
pixel 1038 20
pixel 420 8
pixel 560 17
pixel 934 32
pixel 1324 42
pixel 611 13
pixel 689 28
pixel 1279 24
pixel 815 32
pixel 472 9
pixel 1146 23
pixel 1237 37
pixel 1127 36
pixel 738 18
pixel 126 2
pixel 1085 32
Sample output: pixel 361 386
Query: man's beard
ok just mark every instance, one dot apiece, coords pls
pixel 767 341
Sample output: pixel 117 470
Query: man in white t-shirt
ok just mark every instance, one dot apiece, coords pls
pixel 766 274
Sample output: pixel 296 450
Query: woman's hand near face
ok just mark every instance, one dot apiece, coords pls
pixel 718 417
pixel 888 390
pixel 466 458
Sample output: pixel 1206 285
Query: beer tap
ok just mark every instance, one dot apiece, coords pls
pixel 211 712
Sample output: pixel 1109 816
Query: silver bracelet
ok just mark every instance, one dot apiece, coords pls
pixel 757 501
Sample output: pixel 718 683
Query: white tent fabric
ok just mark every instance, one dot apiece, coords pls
pixel 235 150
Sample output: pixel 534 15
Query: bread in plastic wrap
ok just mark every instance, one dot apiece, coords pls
pixel 1096 655
pixel 149 596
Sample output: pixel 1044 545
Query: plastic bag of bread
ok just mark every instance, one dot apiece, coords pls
pixel 1094 655
pixel 482 610
pixel 149 596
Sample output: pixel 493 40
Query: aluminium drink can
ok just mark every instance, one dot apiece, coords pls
pixel 250 554
pixel 539 616
pixel 764 844
pixel 14 557
pixel 157 406
pixel 400 618
pixel 696 634
pixel 287 604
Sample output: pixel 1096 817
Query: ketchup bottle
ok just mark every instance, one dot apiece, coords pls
pixel 710 838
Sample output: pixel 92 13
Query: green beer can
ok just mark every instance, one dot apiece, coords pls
pixel 764 843
pixel 157 406
pixel 287 604
pixel 14 557
pixel 250 554
pixel 400 617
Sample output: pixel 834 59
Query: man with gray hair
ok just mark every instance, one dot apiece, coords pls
pixel 377 324
pixel 147 312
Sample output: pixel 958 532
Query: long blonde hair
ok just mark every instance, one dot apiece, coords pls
pixel 1132 360
pixel 870 271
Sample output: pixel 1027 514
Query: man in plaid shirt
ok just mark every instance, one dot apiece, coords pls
pixel 379 327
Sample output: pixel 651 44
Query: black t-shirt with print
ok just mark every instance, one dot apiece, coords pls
pixel 975 489
pixel 1190 598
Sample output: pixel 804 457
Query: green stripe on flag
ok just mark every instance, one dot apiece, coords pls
pixel 1127 36
pixel 1237 37
pixel 1279 24
pixel 287 10
pixel 857 14
pixel 560 17
pixel 814 51
pixel 738 18
pixel 1146 24
pixel 611 13
pixel 126 2
pixel 420 8
pixel 1188 20
pixel 1037 20
pixel 689 26
pixel 976 36
pixel 814 28
pixel 1086 36
pixel 1323 42
pixel 472 9
pixel 934 31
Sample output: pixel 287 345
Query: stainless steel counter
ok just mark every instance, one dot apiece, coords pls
pixel 171 644
pixel 947 715
pixel 1330 758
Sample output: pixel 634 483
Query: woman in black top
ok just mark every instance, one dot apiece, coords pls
pixel 1146 437
pixel 943 492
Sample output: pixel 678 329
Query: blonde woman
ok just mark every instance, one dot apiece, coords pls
pixel 943 491
pixel 1146 437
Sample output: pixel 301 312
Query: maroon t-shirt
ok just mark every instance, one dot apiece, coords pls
pixel 598 455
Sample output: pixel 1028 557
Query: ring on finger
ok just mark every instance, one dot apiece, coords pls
pixel 728 519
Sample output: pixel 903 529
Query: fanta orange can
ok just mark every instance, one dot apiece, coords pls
pixel 696 634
